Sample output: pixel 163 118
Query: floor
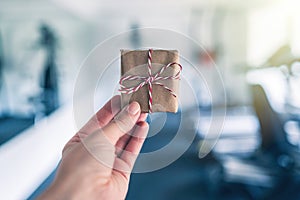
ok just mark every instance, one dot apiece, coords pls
pixel 192 178
pixel 12 126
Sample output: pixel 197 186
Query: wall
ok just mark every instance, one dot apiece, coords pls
pixel 220 27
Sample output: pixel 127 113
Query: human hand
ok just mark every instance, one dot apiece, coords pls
pixel 97 161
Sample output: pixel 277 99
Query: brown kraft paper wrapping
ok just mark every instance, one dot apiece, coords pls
pixel 135 63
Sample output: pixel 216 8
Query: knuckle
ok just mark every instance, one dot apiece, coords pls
pixel 124 123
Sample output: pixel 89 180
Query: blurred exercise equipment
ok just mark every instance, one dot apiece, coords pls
pixel 49 81
pixel 1 62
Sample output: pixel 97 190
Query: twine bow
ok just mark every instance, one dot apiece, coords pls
pixel 151 79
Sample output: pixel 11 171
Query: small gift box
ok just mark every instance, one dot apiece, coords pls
pixel 150 77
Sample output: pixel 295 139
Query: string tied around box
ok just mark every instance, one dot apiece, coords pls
pixel 150 80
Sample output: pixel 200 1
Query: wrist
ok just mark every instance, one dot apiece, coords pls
pixel 70 189
pixel 55 191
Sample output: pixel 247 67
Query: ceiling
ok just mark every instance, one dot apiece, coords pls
pixel 90 9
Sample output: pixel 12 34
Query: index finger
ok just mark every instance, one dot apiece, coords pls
pixel 103 116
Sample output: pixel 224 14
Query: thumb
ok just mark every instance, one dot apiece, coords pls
pixel 101 143
pixel 123 122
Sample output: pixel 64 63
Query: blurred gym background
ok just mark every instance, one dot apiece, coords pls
pixel 255 44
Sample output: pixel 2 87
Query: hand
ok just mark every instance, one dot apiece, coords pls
pixel 97 162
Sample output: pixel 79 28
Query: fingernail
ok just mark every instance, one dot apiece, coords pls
pixel 133 108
